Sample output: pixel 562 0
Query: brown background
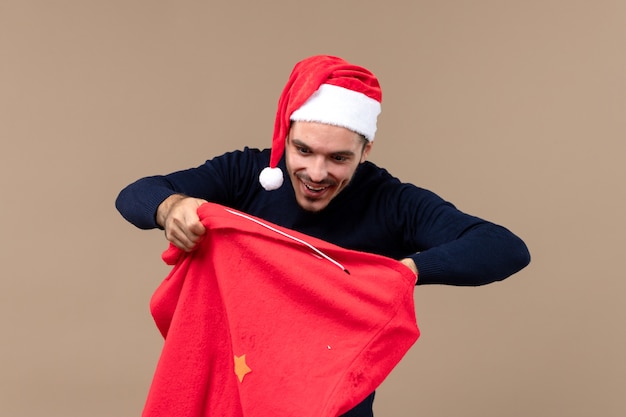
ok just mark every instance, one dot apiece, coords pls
pixel 513 110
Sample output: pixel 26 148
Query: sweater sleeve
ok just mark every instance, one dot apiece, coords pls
pixel 215 181
pixel 482 255
pixel 455 248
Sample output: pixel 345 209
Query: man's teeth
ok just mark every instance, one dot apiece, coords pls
pixel 314 189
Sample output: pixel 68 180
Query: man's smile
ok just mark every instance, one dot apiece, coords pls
pixel 314 188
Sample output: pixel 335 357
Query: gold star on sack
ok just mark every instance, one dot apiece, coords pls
pixel 241 367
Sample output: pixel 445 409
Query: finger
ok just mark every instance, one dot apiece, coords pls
pixel 190 232
pixel 175 234
pixel 190 235
pixel 197 229
pixel 183 243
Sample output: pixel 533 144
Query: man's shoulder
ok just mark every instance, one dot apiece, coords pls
pixel 254 150
pixel 247 155
pixel 369 172
pixel 248 151
pixel 374 180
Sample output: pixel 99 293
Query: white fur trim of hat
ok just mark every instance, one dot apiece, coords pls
pixel 339 106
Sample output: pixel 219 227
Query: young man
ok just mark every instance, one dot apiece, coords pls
pixel 324 131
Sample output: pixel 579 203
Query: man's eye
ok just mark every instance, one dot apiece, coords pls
pixel 340 158
pixel 302 150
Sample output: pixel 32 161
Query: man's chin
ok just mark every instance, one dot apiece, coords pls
pixel 312 206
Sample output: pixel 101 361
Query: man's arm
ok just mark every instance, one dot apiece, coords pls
pixel 219 180
pixel 453 247
pixel 483 254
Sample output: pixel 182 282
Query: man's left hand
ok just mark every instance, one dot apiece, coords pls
pixel 410 264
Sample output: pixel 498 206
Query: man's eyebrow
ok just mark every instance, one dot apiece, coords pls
pixel 298 142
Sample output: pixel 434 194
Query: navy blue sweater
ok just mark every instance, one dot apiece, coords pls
pixel 375 213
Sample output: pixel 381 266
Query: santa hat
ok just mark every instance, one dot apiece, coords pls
pixel 324 89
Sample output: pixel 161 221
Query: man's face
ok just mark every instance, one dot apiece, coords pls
pixel 321 160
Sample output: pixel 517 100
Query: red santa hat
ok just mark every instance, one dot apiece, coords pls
pixel 324 89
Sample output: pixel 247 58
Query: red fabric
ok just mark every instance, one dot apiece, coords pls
pixel 317 339
pixel 305 78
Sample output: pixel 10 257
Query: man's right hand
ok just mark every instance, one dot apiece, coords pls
pixel 178 215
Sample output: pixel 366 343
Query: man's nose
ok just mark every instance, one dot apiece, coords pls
pixel 317 170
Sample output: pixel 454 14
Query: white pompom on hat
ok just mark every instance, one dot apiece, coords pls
pixel 324 89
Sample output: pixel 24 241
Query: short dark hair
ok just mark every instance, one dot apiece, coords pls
pixel 364 140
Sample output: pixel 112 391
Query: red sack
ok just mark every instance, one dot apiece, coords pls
pixel 263 321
